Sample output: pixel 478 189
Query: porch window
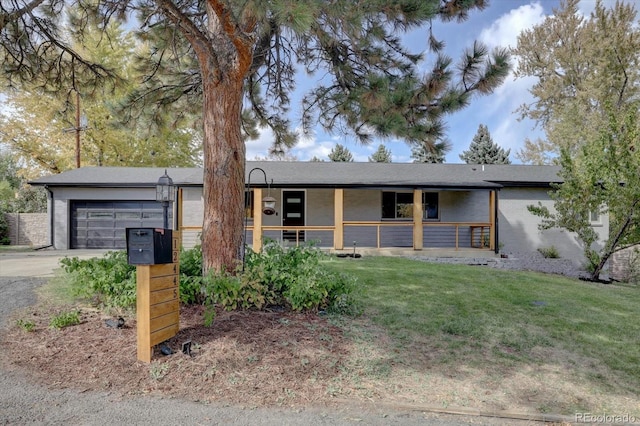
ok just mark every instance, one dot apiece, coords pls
pixel 399 205
pixel 248 204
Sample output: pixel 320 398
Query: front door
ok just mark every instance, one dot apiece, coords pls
pixel 293 204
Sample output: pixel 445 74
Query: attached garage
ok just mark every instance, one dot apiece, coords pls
pixel 91 207
pixel 102 224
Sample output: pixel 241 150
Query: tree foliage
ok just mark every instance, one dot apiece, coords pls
pixel 16 195
pixel 483 150
pixel 232 54
pixel 602 177
pixel 40 127
pixel 581 64
pixel 340 153
pixel 382 155
pixel 430 152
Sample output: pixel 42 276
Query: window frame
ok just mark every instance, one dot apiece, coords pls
pixel 385 208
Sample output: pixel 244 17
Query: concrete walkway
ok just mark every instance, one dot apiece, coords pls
pixel 38 263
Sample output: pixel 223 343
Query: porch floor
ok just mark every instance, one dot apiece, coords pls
pixel 426 252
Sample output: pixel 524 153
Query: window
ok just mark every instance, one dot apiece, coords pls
pixel 399 205
pixel 248 204
pixel 430 205
pixel 594 218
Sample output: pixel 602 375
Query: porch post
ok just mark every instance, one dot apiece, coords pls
pixel 417 219
pixel 492 219
pixel 178 209
pixel 338 219
pixel 257 219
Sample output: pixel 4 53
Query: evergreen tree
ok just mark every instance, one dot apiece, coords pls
pixel 430 152
pixel 340 153
pixel 483 150
pixel 232 54
pixel 382 155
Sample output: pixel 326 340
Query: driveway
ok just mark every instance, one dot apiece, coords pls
pixel 23 401
pixel 39 263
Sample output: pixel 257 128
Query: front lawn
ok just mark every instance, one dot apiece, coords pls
pixel 566 345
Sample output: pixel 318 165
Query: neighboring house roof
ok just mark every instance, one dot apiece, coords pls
pixel 295 174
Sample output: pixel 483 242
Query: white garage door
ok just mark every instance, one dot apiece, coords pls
pixel 102 224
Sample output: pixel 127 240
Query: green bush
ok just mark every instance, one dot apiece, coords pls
pixel 294 278
pixel 191 276
pixel 549 252
pixel 109 281
pixel 4 228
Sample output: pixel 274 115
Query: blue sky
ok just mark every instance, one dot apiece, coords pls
pixel 498 25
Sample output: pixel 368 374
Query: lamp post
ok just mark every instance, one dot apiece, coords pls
pixel 165 194
pixel 268 207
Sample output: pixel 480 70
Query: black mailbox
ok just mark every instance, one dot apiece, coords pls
pixel 149 246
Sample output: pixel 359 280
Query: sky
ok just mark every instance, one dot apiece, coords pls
pixel 498 25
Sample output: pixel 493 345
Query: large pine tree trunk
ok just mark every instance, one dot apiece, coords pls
pixel 224 156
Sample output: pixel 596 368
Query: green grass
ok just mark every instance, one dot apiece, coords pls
pixel 494 319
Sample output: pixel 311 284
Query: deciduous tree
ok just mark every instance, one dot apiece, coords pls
pixel 580 65
pixel 601 177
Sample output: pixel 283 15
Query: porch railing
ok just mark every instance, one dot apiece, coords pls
pixel 478 232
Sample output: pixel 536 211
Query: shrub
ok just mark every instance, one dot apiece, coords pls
pixel 4 228
pixel 109 281
pixel 294 278
pixel 549 252
pixel 191 276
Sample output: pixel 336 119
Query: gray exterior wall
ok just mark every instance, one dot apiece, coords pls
pixel 192 215
pixel 518 228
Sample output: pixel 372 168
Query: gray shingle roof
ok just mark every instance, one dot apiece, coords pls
pixel 323 174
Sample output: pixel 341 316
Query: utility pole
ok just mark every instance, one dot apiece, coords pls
pixel 81 125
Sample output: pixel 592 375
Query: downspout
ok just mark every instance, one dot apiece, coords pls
pixel 496 224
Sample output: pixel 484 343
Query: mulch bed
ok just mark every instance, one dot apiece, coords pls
pixel 255 358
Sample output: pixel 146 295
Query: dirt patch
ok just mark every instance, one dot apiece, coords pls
pixel 289 359
pixel 259 358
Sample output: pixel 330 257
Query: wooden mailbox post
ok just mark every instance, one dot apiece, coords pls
pixel 158 302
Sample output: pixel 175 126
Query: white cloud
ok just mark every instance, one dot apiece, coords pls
pixel 505 30
pixel 260 147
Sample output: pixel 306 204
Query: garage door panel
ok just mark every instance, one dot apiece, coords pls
pixel 102 224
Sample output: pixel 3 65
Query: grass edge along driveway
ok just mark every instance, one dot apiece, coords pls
pixel 502 339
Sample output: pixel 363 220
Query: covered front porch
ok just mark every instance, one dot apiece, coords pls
pixel 464 224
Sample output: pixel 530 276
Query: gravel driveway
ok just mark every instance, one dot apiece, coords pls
pixel 24 402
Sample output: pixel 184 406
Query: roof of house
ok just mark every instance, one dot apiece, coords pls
pixel 295 174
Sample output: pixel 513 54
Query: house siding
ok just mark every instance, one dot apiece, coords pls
pixel 518 228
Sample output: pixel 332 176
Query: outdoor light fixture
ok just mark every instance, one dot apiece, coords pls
pixel 165 194
pixel 268 206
